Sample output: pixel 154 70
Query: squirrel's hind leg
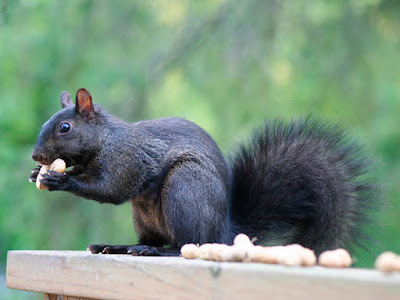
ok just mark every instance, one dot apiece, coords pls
pixel 195 204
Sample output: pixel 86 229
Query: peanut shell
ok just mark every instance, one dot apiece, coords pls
pixel 57 165
pixel 190 251
pixel 388 262
pixel 338 258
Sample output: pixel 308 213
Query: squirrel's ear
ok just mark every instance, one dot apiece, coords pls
pixel 83 104
pixel 65 98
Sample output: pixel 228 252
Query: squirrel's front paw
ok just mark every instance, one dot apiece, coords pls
pixel 35 173
pixel 56 181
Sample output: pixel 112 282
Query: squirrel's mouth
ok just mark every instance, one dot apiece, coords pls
pixel 69 161
pixel 45 159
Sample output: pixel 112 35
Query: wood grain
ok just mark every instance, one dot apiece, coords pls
pixel 85 275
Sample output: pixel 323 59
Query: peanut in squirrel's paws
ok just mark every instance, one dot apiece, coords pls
pixel 58 165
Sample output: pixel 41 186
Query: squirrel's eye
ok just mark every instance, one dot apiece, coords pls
pixel 64 127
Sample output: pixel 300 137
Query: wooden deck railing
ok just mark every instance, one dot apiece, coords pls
pixel 78 274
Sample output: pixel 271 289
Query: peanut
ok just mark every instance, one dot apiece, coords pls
pixel 338 258
pixel 388 262
pixel 190 251
pixel 57 165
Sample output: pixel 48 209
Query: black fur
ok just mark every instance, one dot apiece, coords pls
pixel 295 182
pixel 301 182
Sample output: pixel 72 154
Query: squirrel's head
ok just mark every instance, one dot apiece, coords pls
pixel 71 133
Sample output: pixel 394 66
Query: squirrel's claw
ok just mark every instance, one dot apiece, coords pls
pixel 34 174
pixel 96 248
pixel 108 249
pixel 143 250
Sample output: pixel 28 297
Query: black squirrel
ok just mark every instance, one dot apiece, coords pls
pixel 300 181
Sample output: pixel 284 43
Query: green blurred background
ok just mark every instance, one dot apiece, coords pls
pixel 226 65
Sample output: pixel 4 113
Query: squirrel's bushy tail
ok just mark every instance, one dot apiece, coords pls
pixel 303 182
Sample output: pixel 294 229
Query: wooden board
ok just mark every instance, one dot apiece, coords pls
pixel 81 274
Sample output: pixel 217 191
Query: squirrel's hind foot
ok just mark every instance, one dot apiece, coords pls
pixel 108 249
pixel 135 250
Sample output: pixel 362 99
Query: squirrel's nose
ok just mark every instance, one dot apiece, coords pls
pixel 36 156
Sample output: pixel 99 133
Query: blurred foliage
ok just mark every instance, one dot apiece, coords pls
pixel 226 65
